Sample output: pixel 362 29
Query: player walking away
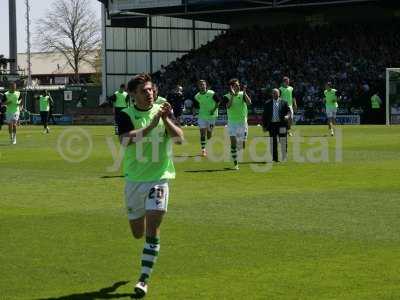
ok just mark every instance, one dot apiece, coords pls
pixel 331 105
pixel 120 101
pixel 51 115
pixel 13 100
pixel 236 104
pixel 146 129
pixel 157 97
pixel 287 95
pixel 207 102
pixel 44 106
pixel 376 104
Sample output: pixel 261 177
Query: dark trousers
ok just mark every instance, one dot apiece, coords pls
pixel 117 112
pixel 2 117
pixel 44 115
pixel 177 115
pixel 51 117
pixel 278 133
pixel 376 116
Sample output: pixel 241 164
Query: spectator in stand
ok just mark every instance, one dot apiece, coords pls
pixel 188 106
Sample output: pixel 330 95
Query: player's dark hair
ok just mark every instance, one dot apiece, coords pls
pixel 233 81
pixel 202 80
pixel 285 78
pixel 122 86
pixel 138 80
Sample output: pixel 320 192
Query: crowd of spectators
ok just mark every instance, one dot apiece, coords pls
pixel 352 56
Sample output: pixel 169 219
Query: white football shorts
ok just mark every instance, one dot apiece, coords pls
pixel 209 124
pixel 143 196
pixel 240 131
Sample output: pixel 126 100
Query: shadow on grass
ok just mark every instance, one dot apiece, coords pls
pixel 315 135
pixel 228 169
pixel 253 163
pixel 186 156
pixel 210 171
pixel 112 176
pixel 291 137
pixel 104 293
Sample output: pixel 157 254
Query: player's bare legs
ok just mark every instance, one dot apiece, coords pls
pixel 137 227
pixel 12 129
pixel 209 133
pixel 153 222
pixel 331 124
pixel 234 151
pixel 203 140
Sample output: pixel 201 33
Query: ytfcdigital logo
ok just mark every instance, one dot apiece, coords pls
pixel 75 145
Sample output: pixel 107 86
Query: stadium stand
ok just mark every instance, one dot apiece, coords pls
pixel 353 56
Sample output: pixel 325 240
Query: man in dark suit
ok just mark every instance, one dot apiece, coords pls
pixel 275 120
pixel 176 99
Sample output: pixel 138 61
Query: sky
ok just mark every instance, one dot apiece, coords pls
pixel 38 11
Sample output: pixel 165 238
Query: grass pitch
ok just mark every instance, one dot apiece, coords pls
pixel 325 228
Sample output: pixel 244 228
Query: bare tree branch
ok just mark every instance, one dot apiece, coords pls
pixel 70 28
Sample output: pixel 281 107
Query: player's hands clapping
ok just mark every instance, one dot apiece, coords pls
pixel 155 120
pixel 166 110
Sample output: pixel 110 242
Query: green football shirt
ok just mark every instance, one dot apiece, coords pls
pixel 160 100
pixel 151 158
pixel 331 99
pixel 237 113
pixel 287 94
pixel 44 103
pixel 120 100
pixel 14 102
pixel 207 104
pixel 376 102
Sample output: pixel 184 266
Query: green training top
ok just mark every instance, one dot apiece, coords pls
pixel 44 103
pixel 207 104
pixel 287 94
pixel 120 99
pixel 151 158
pixel 376 102
pixel 160 100
pixel 13 105
pixel 238 111
pixel 331 99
